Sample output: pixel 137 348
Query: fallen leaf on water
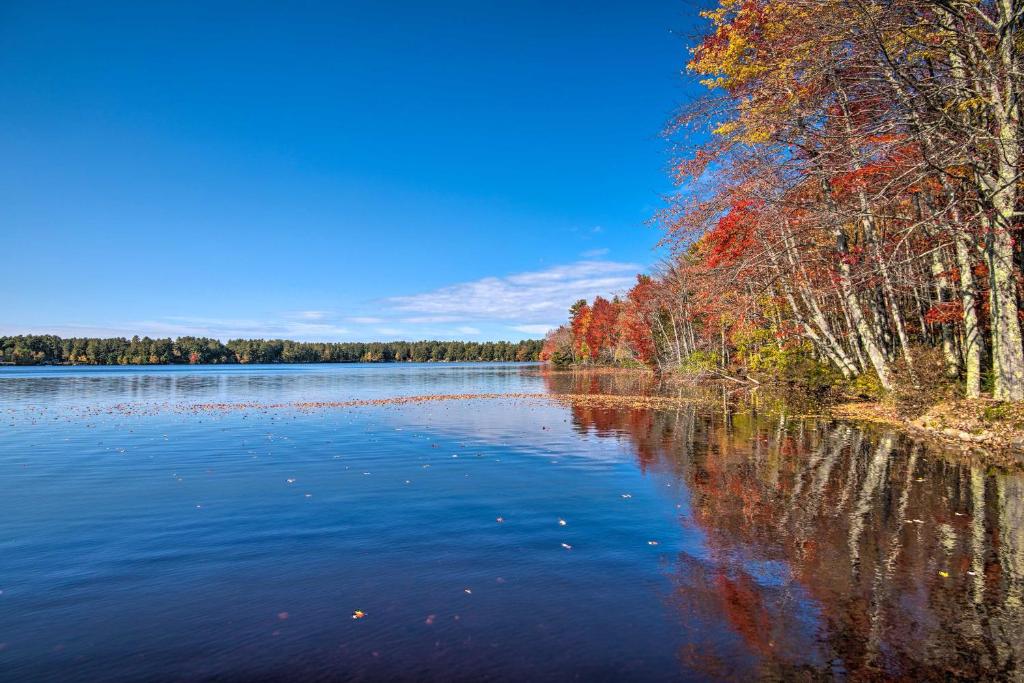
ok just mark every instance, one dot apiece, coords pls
pixel 358 614
pixel 567 546
pixel 944 575
pixel 500 520
pixel 467 591
pixel 562 522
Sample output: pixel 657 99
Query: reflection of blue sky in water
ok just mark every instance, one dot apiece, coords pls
pixel 266 384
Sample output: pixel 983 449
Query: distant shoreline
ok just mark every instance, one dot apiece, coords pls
pixel 53 350
pixel 6 364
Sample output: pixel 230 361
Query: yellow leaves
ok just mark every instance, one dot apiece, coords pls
pixel 721 15
pixel 966 105
pixel 759 51
pixel 734 52
pixel 726 128
pixel 752 125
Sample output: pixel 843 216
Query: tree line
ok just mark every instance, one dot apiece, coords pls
pixel 50 349
pixel 849 202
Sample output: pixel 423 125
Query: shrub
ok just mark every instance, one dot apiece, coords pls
pixel 561 358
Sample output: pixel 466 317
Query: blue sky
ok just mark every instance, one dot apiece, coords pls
pixel 330 170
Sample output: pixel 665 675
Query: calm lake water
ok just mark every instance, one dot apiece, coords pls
pixel 505 539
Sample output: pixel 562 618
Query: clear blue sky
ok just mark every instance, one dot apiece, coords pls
pixel 329 170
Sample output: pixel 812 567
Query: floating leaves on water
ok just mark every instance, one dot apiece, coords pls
pixel 290 480
pixel 358 614
pixel 582 400
pixel 562 522
pixel 567 546
pixel 944 575
pixel 499 520
pixel 467 591
pixel 430 619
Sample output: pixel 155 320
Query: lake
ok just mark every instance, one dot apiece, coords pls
pixel 237 523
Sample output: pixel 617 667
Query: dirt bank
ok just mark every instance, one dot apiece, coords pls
pixel 988 428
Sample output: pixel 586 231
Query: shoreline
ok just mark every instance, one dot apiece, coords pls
pixel 985 428
pixel 8 364
pixel 960 425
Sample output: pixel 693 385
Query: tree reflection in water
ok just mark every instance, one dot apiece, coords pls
pixel 829 547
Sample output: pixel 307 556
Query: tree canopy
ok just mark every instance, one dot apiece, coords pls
pixel 849 200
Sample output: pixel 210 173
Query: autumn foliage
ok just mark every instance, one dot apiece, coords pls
pixel 848 202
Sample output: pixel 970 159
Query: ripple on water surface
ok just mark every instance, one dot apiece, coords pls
pixel 504 538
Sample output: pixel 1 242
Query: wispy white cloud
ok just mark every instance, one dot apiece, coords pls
pixel 496 307
pixel 312 315
pixel 533 329
pixel 594 253
pixel 536 295
pixel 229 328
pixel 431 319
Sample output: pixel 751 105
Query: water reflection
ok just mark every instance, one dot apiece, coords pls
pixel 728 537
pixel 259 383
pixel 830 548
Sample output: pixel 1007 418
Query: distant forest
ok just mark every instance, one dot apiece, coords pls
pixel 52 350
